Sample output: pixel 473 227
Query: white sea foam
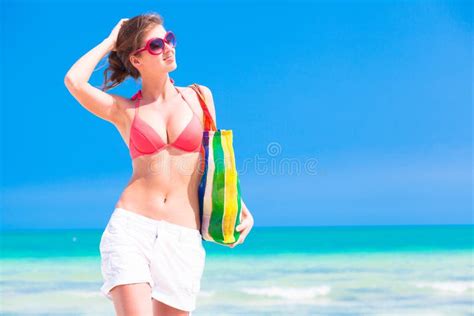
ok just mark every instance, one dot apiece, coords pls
pixel 290 293
pixel 207 293
pixel 448 286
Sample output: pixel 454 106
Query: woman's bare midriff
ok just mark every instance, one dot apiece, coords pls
pixel 164 186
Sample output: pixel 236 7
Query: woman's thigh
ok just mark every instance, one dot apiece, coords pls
pixel 132 299
pixel 162 309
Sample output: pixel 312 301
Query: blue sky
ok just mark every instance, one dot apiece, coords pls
pixel 371 99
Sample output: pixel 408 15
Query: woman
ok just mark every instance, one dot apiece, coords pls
pixel 152 253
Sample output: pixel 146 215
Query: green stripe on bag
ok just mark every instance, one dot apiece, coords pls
pixel 218 188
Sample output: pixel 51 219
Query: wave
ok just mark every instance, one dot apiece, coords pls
pixel 290 293
pixel 448 286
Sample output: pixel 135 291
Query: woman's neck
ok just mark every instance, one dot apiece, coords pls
pixel 158 90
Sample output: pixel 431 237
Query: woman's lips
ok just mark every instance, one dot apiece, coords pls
pixel 168 58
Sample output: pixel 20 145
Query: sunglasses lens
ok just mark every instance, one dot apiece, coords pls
pixel 171 38
pixel 157 45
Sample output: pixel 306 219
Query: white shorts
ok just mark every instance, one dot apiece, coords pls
pixel 169 257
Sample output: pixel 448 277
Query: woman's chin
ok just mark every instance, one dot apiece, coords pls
pixel 172 66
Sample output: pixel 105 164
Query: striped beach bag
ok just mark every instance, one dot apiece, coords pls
pixel 219 189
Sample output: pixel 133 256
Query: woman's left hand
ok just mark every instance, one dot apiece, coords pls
pixel 244 226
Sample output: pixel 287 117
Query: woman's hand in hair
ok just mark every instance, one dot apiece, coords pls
pixel 114 33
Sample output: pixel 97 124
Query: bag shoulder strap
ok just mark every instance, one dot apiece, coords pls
pixel 209 124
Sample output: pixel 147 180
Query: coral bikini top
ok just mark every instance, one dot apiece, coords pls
pixel 144 140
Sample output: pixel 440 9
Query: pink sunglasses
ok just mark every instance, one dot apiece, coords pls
pixel 156 45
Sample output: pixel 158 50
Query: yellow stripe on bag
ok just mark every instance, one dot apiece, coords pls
pixel 230 209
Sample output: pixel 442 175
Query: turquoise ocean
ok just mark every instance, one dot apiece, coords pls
pixel 345 270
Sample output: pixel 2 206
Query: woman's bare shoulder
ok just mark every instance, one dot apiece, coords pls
pixel 208 97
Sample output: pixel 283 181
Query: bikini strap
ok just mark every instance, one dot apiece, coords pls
pixel 209 124
pixel 137 95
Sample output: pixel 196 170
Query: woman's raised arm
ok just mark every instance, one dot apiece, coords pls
pixel 109 107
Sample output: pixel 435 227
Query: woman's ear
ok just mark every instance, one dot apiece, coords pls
pixel 134 60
